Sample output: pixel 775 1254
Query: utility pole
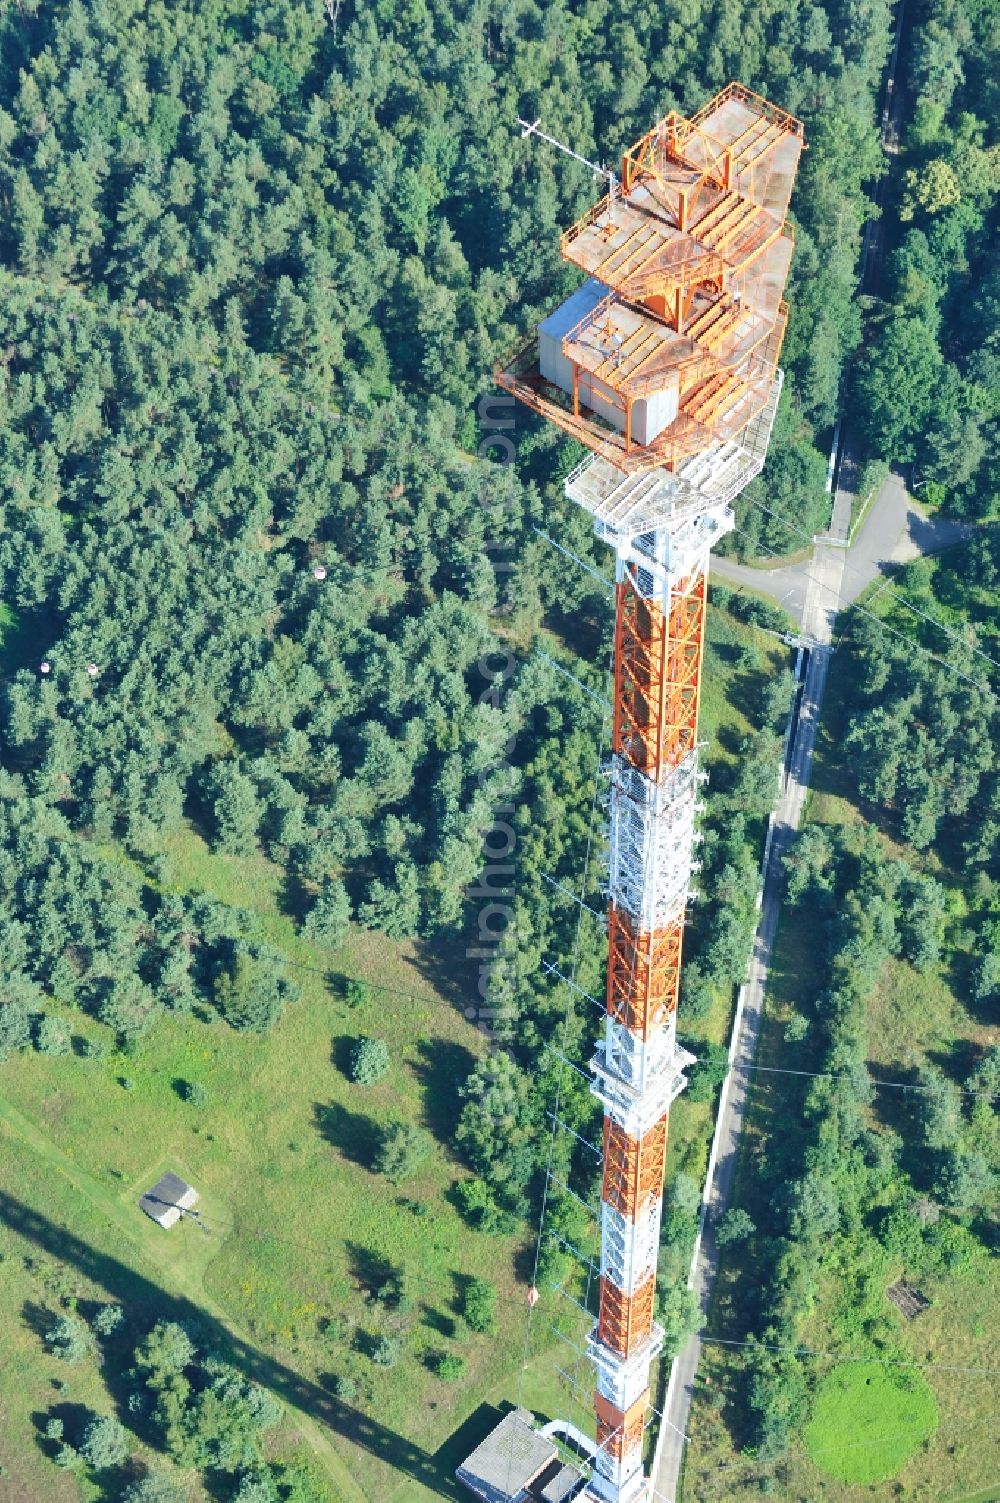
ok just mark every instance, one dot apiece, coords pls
pixel 669 352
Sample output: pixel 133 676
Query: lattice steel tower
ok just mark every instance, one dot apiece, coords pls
pixel 665 365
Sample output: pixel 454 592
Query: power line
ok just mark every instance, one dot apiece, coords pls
pixel 895 1085
pixel 567 1015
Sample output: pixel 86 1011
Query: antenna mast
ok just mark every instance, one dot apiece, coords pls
pixel 533 128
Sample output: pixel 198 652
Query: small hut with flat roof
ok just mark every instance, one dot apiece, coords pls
pixel 518 1464
pixel 167 1201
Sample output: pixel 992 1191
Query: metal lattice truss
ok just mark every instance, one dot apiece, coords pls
pixel 638 1068
pixel 629 1248
pixel 652 833
pixel 658 656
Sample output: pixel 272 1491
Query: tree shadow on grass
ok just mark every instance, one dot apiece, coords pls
pixel 525 1258
pixel 293 899
pixel 445 965
pixel 441 1068
pixel 341 1048
pixel 437 1320
pixel 137 1293
pixel 369 1269
pixel 730 740
pixel 354 1136
pixel 462 1283
pixel 75 1418
pixel 38 1319
pixel 956 1059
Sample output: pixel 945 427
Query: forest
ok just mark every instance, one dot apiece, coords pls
pixel 925 388
pixel 254 277
pixel 255 267
pixel 257 263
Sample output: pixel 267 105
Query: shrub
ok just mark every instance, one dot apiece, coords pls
pixel 759 612
pixel 15 1025
pixel 236 807
pixel 329 917
pixel 697 993
pixel 683 1194
pixel 108 1319
pixel 392 1290
pixel 54 1428
pixel 105 1442
pixel 679 1313
pixel 167 1349
pixel 53 1036
pixel 450 1367
pixel 369 1060
pixel 478 1205
pixel 154 1488
pixel 195 1094
pixel 479 1305
pixel 964 1180
pixel 554 1263
pixel 874 474
pixel 130 1008
pixel 402 1150
pixel 256 1487
pixel 251 991
pixel 709 1073
pixel 357 993
pixel 344 1388
pixel 69 1340
pixel 796 1029
pixel 734 1226
pixel 387 1351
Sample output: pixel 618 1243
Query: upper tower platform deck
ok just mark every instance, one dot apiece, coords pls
pixel 672 344
pixel 702 202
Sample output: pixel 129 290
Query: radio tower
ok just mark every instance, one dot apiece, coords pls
pixel 664 364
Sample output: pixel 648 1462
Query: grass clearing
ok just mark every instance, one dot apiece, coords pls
pixel 887 1415
pixel 302 1231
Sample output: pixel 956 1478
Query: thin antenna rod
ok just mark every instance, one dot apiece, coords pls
pixel 532 128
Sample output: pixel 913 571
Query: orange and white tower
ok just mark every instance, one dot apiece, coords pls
pixel 665 365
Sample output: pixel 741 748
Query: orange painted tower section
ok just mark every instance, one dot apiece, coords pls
pixel 664 364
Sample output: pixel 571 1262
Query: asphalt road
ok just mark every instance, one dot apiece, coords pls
pixel 895 530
